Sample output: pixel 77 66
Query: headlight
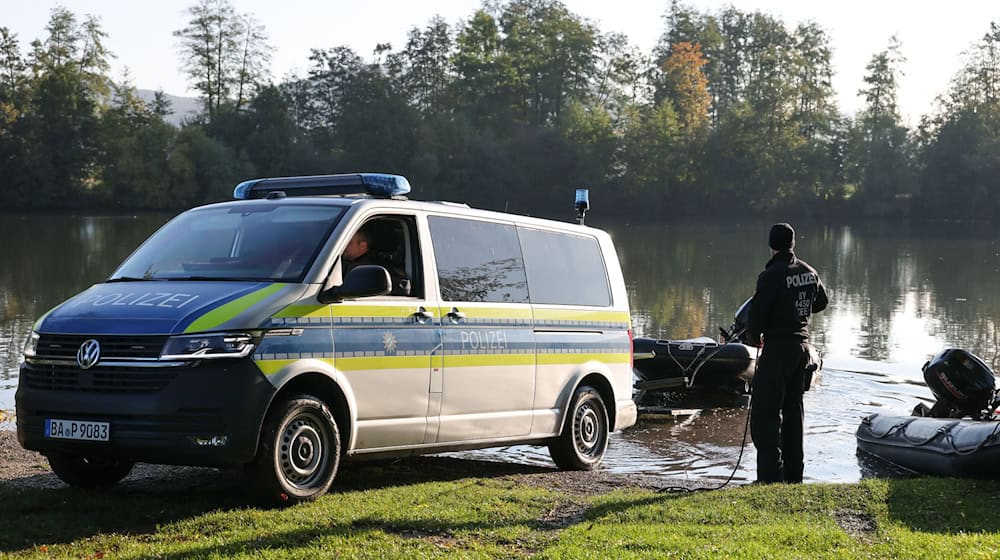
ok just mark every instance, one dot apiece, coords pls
pixel 207 346
pixel 31 345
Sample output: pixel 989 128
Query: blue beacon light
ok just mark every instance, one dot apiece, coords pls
pixel 582 204
pixel 385 185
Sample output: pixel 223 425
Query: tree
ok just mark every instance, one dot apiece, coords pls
pixel 486 79
pixel 961 143
pixel 552 53
pixel 13 100
pixel 224 54
pixel 134 160
pixel 424 67
pixel 686 86
pixel 60 124
pixel 883 154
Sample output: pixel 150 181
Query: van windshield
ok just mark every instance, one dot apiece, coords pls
pixel 260 242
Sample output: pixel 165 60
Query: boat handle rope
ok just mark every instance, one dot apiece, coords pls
pixel 901 429
pixel 943 430
pixel 892 429
pixel 993 435
pixel 698 359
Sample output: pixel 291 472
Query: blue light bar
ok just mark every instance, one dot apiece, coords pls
pixel 378 185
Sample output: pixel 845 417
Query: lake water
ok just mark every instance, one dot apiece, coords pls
pixel 899 294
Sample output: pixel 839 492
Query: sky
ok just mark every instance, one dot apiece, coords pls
pixel 933 34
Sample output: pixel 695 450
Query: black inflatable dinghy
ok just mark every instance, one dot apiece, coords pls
pixel 702 361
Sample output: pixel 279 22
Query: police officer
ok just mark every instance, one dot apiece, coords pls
pixel 358 251
pixel 788 292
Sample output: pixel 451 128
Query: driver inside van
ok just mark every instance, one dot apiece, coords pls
pixel 358 251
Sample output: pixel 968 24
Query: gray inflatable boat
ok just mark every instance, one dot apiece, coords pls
pixel 941 446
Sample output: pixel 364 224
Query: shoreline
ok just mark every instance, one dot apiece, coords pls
pixel 23 469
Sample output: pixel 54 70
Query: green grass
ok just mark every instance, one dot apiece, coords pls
pixel 410 510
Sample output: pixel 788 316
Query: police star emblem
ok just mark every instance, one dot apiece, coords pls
pixel 389 342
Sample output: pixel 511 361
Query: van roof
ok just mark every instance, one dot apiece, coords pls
pixel 363 189
pixel 434 207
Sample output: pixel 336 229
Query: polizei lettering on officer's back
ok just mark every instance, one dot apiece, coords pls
pixel 799 280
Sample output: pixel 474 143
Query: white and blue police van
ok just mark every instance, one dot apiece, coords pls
pixel 238 335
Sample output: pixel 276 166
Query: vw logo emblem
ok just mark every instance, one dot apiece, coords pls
pixel 89 354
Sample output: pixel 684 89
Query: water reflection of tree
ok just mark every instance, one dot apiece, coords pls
pixel 48 258
pixel 686 279
pixel 498 280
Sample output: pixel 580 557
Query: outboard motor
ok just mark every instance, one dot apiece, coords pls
pixel 963 385
pixel 738 331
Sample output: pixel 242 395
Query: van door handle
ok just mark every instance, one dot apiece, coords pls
pixel 455 315
pixel 422 315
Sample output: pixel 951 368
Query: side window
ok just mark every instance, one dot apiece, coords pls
pixel 478 261
pixel 391 242
pixel 564 268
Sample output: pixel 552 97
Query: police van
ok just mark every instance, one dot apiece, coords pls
pixel 238 335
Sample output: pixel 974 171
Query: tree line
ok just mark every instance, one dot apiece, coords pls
pixel 513 108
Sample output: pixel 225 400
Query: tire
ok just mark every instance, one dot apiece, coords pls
pixel 584 437
pixel 88 472
pixel 299 451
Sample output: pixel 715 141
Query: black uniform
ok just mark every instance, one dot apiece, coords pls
pixel 365 259
pixel 788 292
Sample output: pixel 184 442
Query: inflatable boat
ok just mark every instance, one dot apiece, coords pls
pixel 670 365
pixel 941 446
pixel 958 436
pixel 703 362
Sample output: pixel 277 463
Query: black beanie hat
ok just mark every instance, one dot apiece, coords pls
pixel 781 237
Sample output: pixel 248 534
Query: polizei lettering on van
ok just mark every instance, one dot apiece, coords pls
pixel 148 299
pixel 484 340
pixel 799 280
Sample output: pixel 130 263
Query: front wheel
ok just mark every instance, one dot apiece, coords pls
pixel 585 435
pixel 88 472
pixel 299 451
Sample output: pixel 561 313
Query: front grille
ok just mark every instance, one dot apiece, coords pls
pixel 98 379
pixel 65 346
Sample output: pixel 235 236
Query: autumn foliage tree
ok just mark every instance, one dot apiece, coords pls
pixel 687 86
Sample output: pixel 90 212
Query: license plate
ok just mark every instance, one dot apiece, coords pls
pixel 77 429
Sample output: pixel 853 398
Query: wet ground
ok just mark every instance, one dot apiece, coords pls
pixel 704 438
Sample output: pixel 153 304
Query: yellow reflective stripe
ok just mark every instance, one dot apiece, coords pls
pixel 558 359
pixel 489 360
pixel 376 310
pixel 304 311
pixel 271 367
pixel 574 315
pixel 229 311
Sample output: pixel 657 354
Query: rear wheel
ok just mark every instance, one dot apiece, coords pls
pixel 299 451
pixel 88 472
pixel 585 435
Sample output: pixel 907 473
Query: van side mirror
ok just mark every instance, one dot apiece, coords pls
pixel 363 281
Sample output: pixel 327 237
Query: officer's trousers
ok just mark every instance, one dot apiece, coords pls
pixel 776 413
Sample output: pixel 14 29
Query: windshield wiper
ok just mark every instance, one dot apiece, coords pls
pixel 216 279
pixel 130 279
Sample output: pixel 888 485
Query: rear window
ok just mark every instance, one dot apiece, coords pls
pixel 478 261
pixel 564 269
